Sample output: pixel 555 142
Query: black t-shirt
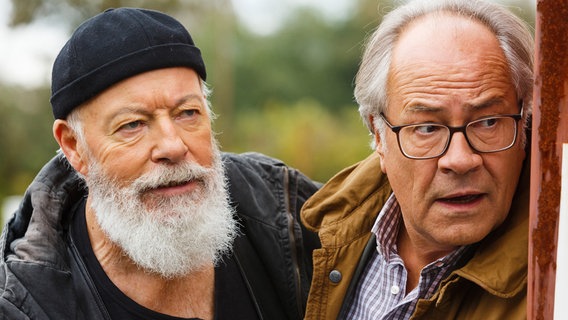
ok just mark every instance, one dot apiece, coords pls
pixel 232 298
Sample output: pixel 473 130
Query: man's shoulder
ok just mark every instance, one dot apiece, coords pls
pixel 253 166
pixel 259 183
pixel 251 159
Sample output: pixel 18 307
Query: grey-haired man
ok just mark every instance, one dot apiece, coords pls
pixel 141 216
pixel 434 224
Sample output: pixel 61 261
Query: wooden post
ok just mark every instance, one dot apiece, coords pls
pixel 550 132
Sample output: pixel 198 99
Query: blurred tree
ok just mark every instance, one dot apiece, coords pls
pixel 306 134
pixel 26 142
pixel 75 11
pixel 309 57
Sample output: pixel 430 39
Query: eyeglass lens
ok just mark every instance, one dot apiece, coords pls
pixel 484 135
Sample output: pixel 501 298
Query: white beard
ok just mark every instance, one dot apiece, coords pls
pixel 168 236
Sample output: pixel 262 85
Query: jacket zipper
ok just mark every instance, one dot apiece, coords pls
pixel 291 235
pixel 88 279
pixel 249 287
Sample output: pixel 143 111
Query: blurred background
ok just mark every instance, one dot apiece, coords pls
pixel 282 75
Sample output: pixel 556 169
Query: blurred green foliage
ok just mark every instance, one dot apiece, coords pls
pixel 287 94
pixel 26 136
pixel 305 134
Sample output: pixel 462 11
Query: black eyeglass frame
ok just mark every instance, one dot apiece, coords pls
pixel 462 129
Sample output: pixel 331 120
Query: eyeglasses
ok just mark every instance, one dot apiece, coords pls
pixel 431 140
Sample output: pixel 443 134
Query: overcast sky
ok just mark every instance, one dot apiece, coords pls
pixel 27 53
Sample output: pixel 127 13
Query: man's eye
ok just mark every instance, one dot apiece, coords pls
pixel 426 129
pixel 487 123
pixel 131 125
pixel 189 113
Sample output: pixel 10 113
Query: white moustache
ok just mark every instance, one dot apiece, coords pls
pixel 166 176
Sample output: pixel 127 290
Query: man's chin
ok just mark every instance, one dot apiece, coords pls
pixel 169 205
pixel 172 241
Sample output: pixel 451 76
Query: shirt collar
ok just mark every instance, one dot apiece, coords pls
pixel 386 227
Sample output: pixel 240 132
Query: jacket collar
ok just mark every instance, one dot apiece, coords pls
pixel 355 196
pixel 352 198
pixel 505 251
pixel 34 232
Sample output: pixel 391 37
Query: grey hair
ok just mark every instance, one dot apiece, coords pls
pixel 74 119
pixel 514 36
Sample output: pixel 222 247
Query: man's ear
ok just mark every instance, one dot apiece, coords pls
pixel 67 140
pixel 378 143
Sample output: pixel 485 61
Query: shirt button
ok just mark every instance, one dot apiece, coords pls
pixel 335 276
pixel 395 290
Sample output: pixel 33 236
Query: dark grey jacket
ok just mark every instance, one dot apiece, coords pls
pixel 41 276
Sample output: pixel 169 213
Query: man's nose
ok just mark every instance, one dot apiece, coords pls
pixel 460 157
pixel 169 145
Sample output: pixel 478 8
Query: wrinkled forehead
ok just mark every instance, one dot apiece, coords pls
pixel 449 60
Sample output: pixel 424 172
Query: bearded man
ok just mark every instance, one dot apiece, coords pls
pixel 140 216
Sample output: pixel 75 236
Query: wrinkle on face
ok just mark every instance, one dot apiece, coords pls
pixel 157 99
